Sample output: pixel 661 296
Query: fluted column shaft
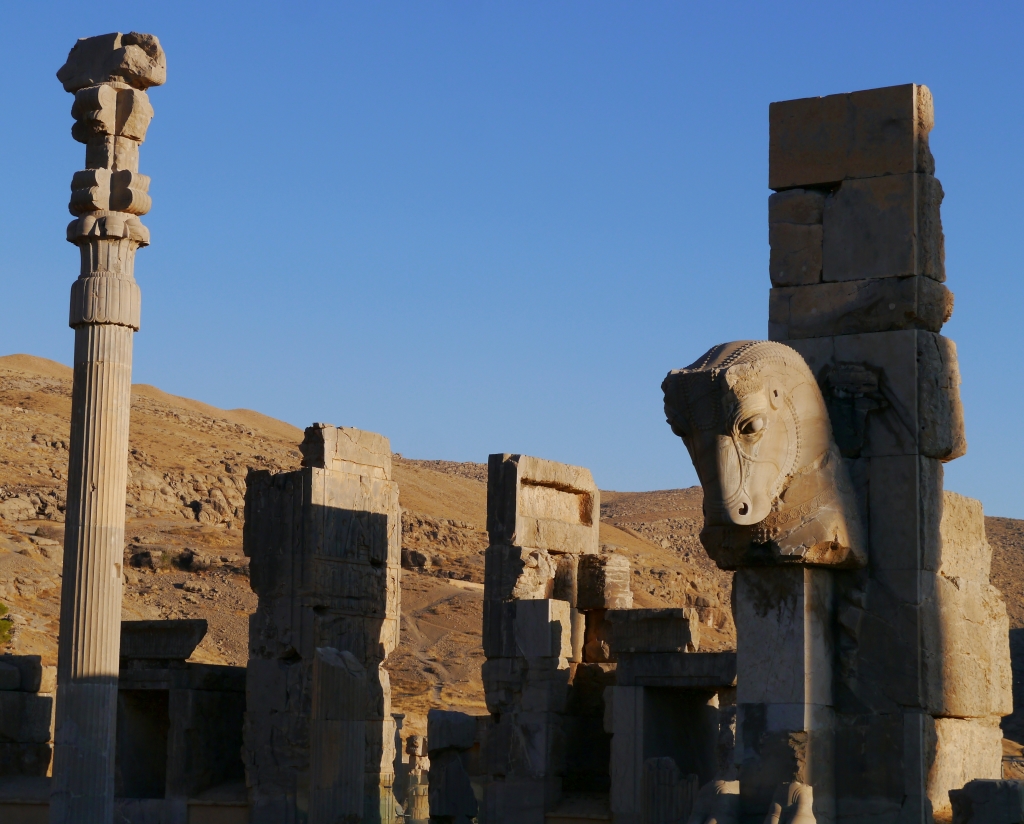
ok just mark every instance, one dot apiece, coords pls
pixel 108 75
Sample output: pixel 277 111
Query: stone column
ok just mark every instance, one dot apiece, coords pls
pixel 858 276
pixel 108 76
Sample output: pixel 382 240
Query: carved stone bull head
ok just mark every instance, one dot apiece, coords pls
pixel 757 430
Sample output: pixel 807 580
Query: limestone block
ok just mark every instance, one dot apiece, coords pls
pixel 964 749
pixel 965 648
pixel 784 636
pixel 111 152
pixel 518 573
pixel 988 801
pixel 337 732
pixel 345 449
pixel 162 640
pixel 450 791
pixel 654 630
pixel 519 800
pixel 543 629
pixel 694 670
pixel 25 717
pixel 32 675
pixel 668 795
pixel 541 504
pixel 890 393
pixel 578 634
pixel 566 575
pixel 25 759
pixel 449 731
pixel 962 550
pixel 821 140
pixel 795 258
pixel 597 641
pixel 133 58
pixel 604 582
pixel 796 206
pixel 884 227
pixel 10 677
pixel 499 628
pixel 856 306
pixel 108 111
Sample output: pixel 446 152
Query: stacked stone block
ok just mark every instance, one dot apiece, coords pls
pixel 542 518
pixel 26 715
pixel 450 738
pixel 325 548
pixel 858 270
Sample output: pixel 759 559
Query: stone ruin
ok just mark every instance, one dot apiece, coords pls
pixel 872 665
pixel 324 543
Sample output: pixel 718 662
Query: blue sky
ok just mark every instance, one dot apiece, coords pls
pixel 484 227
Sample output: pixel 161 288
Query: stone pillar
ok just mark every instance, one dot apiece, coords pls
pixel 108 76
pixel 858 271
pixel 337 733
pixel 542 517
pixel 325 548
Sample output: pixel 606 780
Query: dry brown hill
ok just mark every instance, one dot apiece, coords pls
pixel 183 552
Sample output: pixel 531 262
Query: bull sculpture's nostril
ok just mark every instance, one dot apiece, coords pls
pixel 744 509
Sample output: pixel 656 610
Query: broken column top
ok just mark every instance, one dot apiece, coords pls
pixel 542 504
pixel 818 141
pixel 346 449
pixel 135 59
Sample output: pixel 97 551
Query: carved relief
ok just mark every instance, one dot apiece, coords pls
pixel 776 489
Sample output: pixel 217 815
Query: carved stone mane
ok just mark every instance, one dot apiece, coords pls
pixel 776 489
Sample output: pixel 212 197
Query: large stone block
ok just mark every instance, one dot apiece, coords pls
pixel 670 629
pixel 543 629
pixel 962 550
pixel 518 573
pixel 25 717
pixel 884 227
pixel 693 670
pixel 32 676
pixel 542 504
pixel 345 449
pixel 162 640
pixel 795 258
pixel 856 306
pixel 964 749
pixel 890 393
pixel 822 140
pixel 965 649
pixel 988 801
pixel 604 582
pixel 133 58
pixel 450 731
pixel 784 635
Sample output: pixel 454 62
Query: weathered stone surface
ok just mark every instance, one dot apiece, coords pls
pixel 450 791
pixel 890 393
pixel 988 801
pixel 795 258
pixel 338 734
pixel 654 630
pixel 714 670
pixel 32 675
pixel 25 717
pixel 133 58
pixel 821 140
pixel 346 449
pixel 604 582
pixel 794 503
pixel 852 307
pixel 718 802
pixel 804 207
pixel 450 731
pixel 518 573
pixel 541 504
pixel 10 677
pixel 167 640
pixel 25 759
pixel 962 550
pixel 964 749
pixel 543 629
pixel 884 227
pixel 793 804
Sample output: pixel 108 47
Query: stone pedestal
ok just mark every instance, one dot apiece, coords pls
pixel 325 548
pixel 108 75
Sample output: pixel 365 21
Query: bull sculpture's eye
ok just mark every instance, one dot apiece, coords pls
pixel 752 427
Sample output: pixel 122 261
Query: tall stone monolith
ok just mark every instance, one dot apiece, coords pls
pixel 108 75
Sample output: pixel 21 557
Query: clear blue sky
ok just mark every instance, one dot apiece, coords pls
pixel 482 227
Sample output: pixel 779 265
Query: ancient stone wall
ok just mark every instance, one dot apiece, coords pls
pixel 325 548
pixel 858 288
